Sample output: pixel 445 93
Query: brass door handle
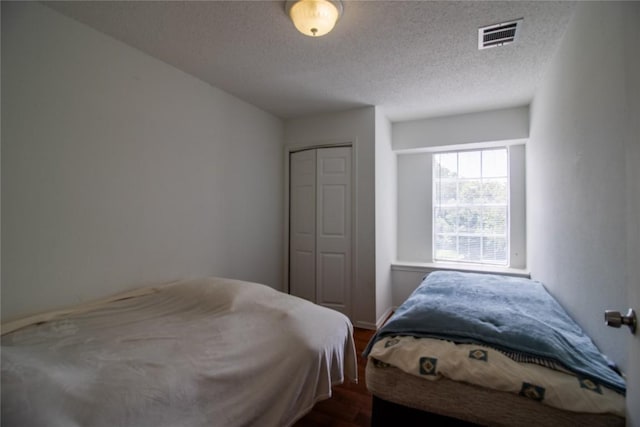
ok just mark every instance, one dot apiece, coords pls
pixel 615 319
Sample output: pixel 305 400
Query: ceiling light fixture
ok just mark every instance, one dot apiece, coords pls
pixel 314 17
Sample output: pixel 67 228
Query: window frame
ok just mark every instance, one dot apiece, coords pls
pixel 457 180
pixel 414 229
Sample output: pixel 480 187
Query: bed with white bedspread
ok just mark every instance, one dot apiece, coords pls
pixel 206 352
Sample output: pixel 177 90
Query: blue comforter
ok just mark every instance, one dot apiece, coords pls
pixel 508 313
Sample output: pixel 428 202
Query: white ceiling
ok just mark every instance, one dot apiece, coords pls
pixel 412 58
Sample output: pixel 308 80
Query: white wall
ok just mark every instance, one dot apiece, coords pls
pixel 577 194
pixel 356 126
pixel 119 170
pixel 0 169
pixel 485 126
pixel 414 207
pixel 386 218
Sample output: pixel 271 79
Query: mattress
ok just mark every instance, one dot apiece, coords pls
pixel 433 359
pixel 492 350
pixel 511 314
pixel 473 403
pixel 206 352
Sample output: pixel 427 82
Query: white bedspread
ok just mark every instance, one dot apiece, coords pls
pixel 208 352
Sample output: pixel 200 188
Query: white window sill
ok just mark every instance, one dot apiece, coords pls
pixel 427 267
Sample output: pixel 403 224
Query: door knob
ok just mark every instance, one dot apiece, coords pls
pixel 615 319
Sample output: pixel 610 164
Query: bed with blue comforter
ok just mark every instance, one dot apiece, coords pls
pixel 501 333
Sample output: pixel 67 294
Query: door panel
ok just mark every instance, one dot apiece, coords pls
pixel 304 205
pixel 334 165
pixel 333 208
pixel 302 225
pixel 332 267
pixel 333 224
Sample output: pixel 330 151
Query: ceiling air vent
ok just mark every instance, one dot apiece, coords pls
pixel 498 34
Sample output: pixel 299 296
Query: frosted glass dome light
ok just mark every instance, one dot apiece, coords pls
pixel 314 17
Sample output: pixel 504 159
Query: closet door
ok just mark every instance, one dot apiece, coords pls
pixel 320 226
pixel 333 228
pixel 302 224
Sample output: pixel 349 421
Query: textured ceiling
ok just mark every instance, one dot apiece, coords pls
pixel 412 58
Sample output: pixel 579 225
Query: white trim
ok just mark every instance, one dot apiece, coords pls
pixel 365 325
pixel 385 316
pixel 379 322
pixel 355 232
pixel 464 147
pixel 285 258
pixel 315 147
pixel 292 148
pixel 428 267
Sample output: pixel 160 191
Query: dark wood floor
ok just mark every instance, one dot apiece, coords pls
pixel 350 405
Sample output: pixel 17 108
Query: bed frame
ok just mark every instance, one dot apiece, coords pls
pixel 387 413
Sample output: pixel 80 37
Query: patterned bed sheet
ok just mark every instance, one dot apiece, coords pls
pixel 433 359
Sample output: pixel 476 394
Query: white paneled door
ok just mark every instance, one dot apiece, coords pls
pixel 320 226
pixel 302 224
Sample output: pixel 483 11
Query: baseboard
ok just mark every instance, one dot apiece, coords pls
pixel 375 326
pixel 365 325
pixel 382 319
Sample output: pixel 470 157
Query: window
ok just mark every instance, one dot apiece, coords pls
pixel 471 206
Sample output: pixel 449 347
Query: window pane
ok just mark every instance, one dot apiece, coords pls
pixel 469 248
pixel 446 247
pixel 446 165
pixel 470 206
pixel 470 220
pixel 446 193
pixel 494 163
pixel 495 190
pixel 495 249
pixel 494 220
pixel 445 220
pixel 469 164
pixel 470 192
